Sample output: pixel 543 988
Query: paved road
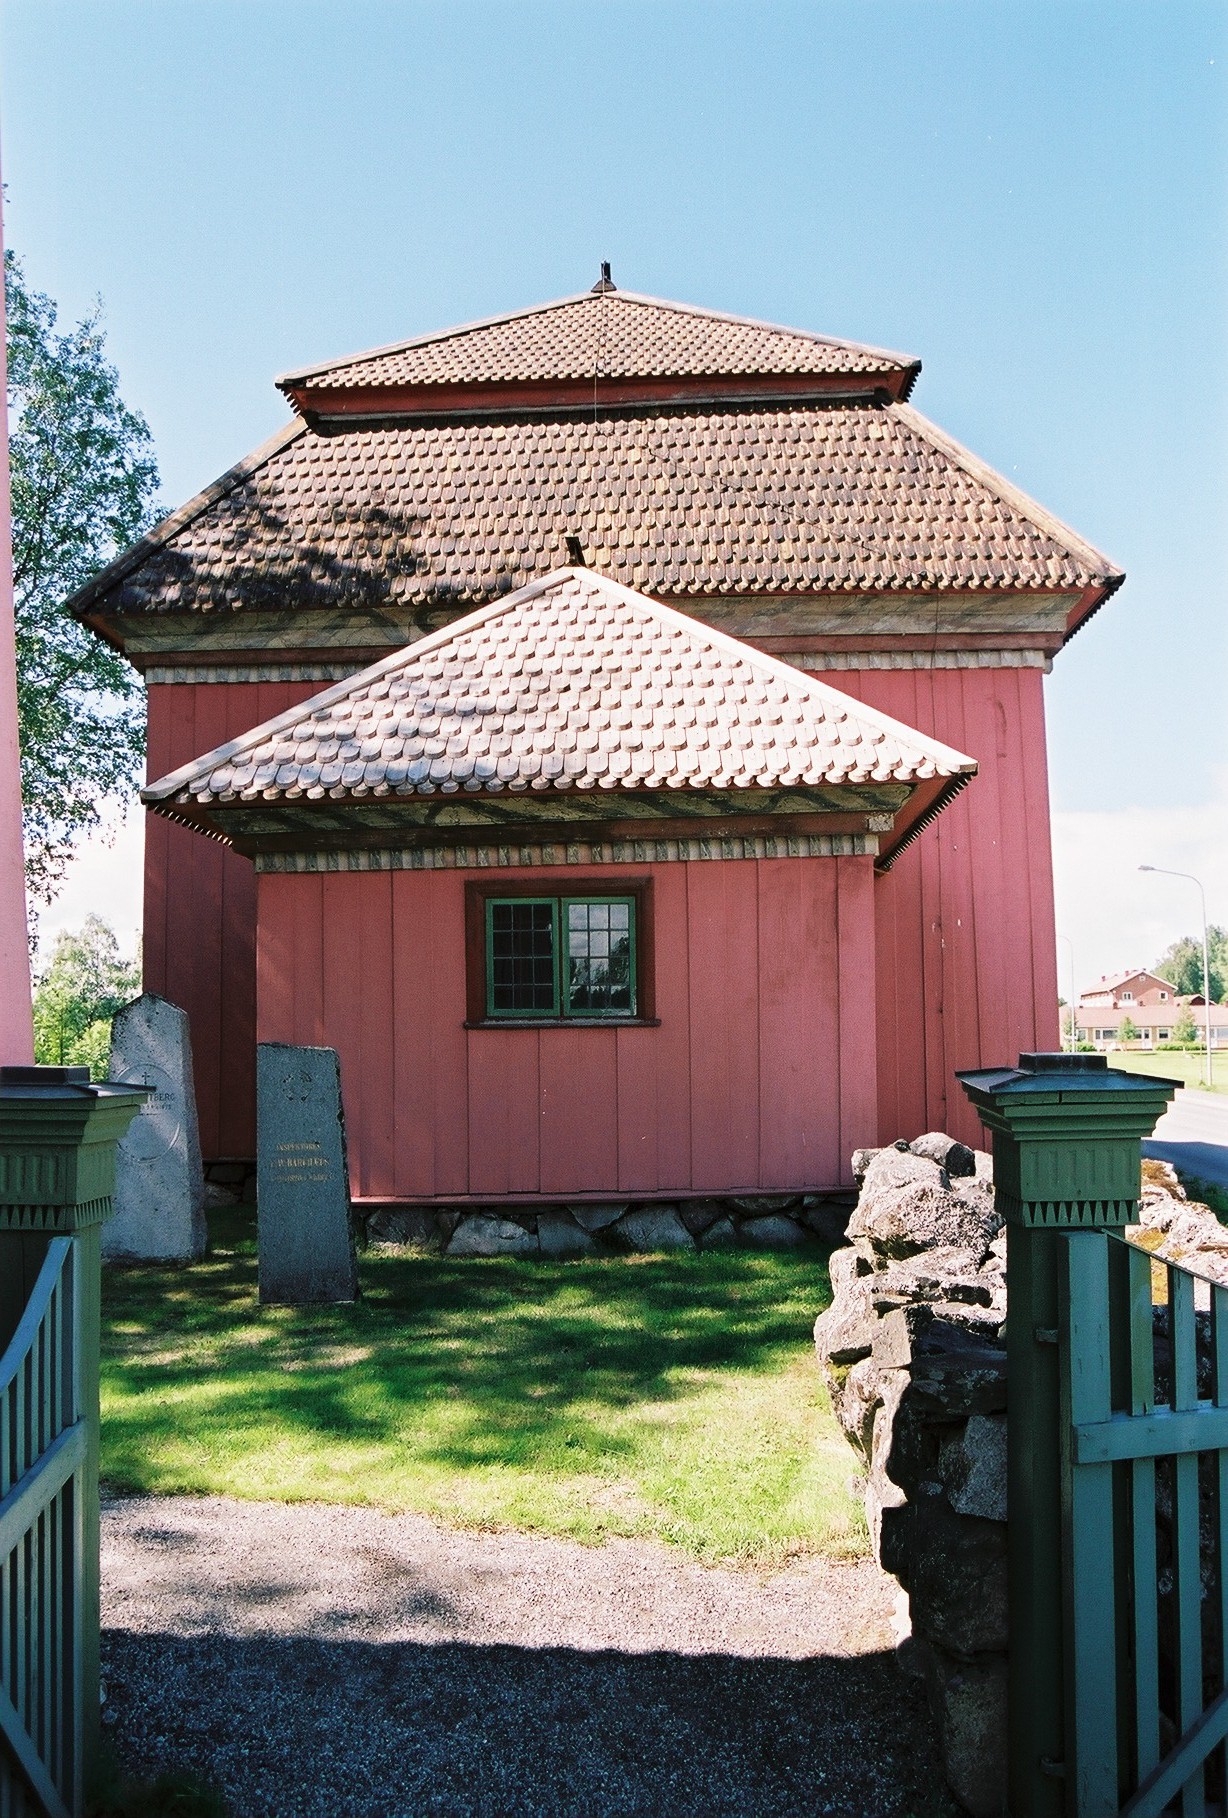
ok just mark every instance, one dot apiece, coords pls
pixel 1193 1136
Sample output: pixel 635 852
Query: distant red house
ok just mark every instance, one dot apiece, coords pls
pixel 618 729
pixel 1148 1003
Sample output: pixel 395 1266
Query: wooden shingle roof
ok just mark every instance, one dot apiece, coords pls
pixel 610 335
pixel 680 502
pixel 573 683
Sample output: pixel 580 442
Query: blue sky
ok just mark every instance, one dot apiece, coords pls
pixel 1031 197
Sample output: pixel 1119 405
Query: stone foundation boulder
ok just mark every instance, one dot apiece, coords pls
pixel 913 1355
pixel 765 1221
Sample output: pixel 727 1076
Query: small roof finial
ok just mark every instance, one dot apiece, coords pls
pixel 605 281
pixel 575 550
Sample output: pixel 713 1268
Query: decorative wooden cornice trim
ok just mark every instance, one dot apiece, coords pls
pixel 612 852
pixel 164 675
pixel 819 662
pixel 328 408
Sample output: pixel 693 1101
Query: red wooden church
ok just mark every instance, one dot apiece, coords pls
pixel 617 728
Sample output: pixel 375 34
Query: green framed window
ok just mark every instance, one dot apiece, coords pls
pixel 561 956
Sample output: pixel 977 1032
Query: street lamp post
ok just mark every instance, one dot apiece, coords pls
pixel 1206 964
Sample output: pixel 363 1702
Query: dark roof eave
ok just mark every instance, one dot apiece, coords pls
pixel 332 409
pixel 915 828
pixel 1090 602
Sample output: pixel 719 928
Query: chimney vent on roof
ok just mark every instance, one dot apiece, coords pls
pixel 605 281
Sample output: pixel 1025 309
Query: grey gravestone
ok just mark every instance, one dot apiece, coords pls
pixel 159 1182
pixel 304 1229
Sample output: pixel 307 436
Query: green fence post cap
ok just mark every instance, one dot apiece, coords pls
pixel 58 1133
pixel 1067 1130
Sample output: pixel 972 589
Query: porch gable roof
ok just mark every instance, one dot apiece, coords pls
pixel 573 683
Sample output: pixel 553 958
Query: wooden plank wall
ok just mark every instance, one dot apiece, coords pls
pixel 200 907
pixel 967 968
pixel 759 1077
pixel 965 961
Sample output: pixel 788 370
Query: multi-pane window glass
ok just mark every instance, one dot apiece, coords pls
pixel 522 969
pixel 560 956
pixel 599 956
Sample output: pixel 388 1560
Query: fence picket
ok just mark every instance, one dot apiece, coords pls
pixel 1143 1585
pixel 1187 1581
pixel 1219 1394
pixel 41 1446
pixel 1088 1393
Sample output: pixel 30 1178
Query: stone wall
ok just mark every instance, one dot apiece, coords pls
pixel 573 1228
pixel 912 1351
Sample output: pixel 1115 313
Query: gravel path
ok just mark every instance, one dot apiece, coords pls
pixel 312 1660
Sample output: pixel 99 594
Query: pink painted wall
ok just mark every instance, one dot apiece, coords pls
pixel 966 969
pixel 760 1075
pixel 964 924
pixel 200 907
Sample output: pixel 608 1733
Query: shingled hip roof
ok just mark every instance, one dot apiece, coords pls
pixel 677 503
pixel 573 683
pixel 614 335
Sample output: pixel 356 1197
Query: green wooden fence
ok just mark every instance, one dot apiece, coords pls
pixel 1145 1481
pixel 1117 1462
pixel 57 1175
pixel 42 1453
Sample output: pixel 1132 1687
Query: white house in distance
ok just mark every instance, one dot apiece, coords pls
pixel 1150 1003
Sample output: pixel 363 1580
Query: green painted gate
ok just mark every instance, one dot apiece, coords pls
pixel 1117 1462
pixel 57 1175
pixel 42 1455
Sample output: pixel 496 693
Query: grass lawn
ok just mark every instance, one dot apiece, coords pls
pixel 670 1397
pixel 1188 1068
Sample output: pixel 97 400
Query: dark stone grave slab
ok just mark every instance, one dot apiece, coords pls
pixel 305 1236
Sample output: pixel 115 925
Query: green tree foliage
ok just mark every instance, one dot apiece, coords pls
pixel 85 982
pixel 1185 1029
pixel 1126 1031
pixel 1182 964
pixel 84 486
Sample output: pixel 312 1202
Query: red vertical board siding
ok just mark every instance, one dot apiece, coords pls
pixel 763 1072
pixel 857 1039
pixel 159 747
pixel 1046 1028
pixel 504 1111
pixel 722 921
pixel 798 1013
pixel 430 1080
pixel 654 1065
pixel 357 995
pixel 310 1028
pixel 968 909
pixel 200 982
pixel 200 906
pixel 276 984
pixel 578 1082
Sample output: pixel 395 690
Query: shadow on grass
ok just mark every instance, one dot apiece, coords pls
pixel 298 1727
pixel 515 1356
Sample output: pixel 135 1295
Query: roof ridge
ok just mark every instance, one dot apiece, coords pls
pixel 1030 508
pixel 159 534
pixel 301 374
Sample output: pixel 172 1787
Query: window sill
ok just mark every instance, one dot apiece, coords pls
pixel 564 1022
